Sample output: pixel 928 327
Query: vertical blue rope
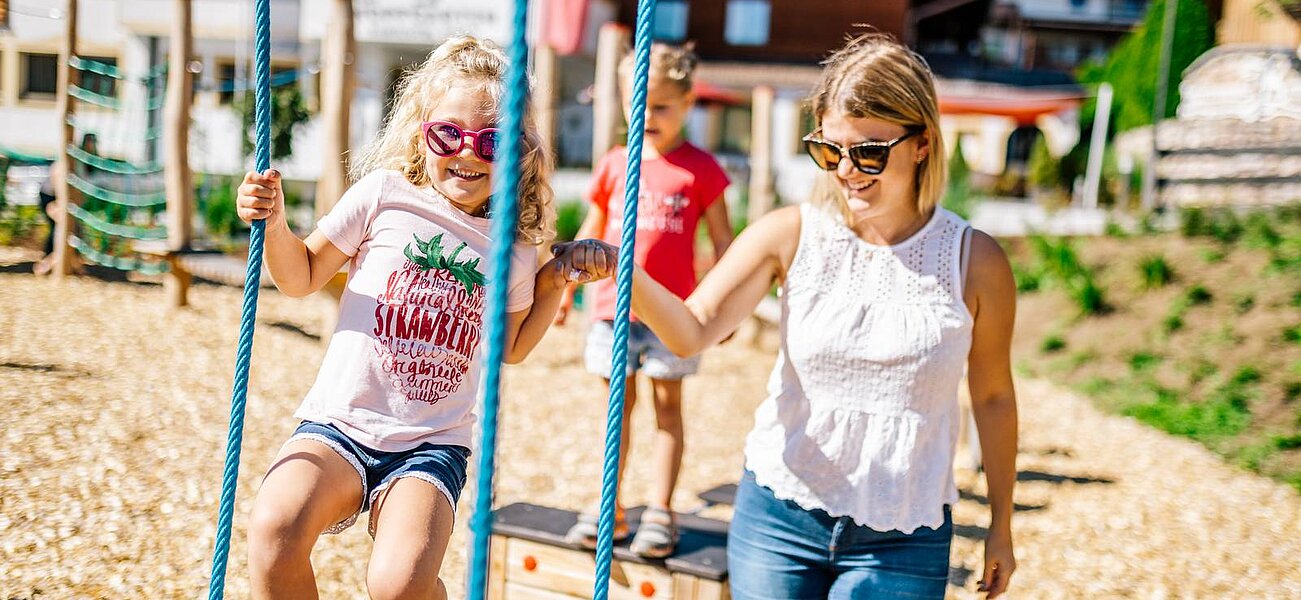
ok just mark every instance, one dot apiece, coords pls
pixel 244 353
pixel 505 213
pixel 623 302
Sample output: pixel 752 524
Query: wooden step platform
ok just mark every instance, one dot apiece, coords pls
pixel 532 561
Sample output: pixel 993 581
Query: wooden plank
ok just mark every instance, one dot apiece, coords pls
pixel 516 591
pixel 684 587
pixel 712 590
pixel 497 568
pixel 573 572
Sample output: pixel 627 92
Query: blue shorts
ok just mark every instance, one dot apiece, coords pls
pixel 441 466
pixel 646 353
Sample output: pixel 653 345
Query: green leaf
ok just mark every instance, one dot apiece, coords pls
pixel 452 259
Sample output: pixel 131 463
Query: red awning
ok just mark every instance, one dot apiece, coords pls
pixel 565 24
pixel 709 93
pixel 1025 110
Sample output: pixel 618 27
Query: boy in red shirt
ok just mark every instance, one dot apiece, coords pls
pixel 681 185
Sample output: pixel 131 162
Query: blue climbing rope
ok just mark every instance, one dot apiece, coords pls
pixel 505 213
pixel 623 301
pixel 244 353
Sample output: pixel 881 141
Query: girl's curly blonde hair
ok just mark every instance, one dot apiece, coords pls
pixel 875 77
pixel 461 61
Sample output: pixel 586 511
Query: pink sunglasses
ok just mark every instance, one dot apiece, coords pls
pixel 446 139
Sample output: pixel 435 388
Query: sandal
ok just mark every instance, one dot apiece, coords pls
pixel 657 535
pixel 583 533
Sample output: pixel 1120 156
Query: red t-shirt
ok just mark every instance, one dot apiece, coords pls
pixel 676 189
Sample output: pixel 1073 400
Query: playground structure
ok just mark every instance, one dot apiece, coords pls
pixel 129 202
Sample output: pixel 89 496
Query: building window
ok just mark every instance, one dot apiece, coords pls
pixel 747 22
pixel 670 24
pixel 99 83
pixel 40 79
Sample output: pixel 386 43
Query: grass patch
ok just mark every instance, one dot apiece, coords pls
pixel 1052 343
pixel 1155 272
pixel 1292 334
pixel 1143 361
pixel 1198 295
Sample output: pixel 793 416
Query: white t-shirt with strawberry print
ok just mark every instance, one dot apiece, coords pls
pixel 402 368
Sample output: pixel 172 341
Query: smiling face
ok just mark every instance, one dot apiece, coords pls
pixel 667 106
pixel 895 187
pixel 463 177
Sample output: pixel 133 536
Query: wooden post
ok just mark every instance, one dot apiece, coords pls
pixel 63 165
pixel 761 184
pixel 606 105
pixel 338 55
pixel 547 75
pixel 176 142
pixel 337 79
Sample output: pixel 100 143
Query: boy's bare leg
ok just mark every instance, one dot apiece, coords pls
pixel 669 440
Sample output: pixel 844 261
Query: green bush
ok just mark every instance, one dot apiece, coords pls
pixel 1142 361
pixel 958 197
pixel 1052 343
pixel 1155 272
pixel 1198 295
pixel 1043 171
pixel 1029 280
pixel 219 211
pixel 1292 334
pixel 1089 296
pixel 569 218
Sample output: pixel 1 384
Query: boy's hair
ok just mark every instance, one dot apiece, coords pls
pixel 464 62
pixel 875 77
pixel 668 64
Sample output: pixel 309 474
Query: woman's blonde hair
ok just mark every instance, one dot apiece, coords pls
pixel 480 65
pixel 875 77
pixel 674 65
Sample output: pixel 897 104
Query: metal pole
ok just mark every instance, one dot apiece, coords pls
pixel 1097 146
pixel 1158 106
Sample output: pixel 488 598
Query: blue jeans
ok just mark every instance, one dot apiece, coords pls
pixel 779 551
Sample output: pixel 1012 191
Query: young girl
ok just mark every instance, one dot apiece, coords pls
pixel 680 185
pixel 387 426
pixel 885 298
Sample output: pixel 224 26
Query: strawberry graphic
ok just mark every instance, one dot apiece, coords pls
pixel 428 254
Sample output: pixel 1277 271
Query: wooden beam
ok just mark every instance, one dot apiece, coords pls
pixel 337 79
pixel 176 143
pixel 63 164
pixel 761 180
pixel 607 108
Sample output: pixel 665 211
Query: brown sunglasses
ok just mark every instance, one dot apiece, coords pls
pixel 868 157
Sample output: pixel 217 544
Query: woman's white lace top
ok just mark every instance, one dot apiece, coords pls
pixel 861 418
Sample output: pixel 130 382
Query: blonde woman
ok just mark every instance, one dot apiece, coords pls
pixel 886 297
pixel 387 425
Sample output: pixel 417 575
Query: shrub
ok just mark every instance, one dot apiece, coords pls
pixel 1198 295
pixel 1142 361
pixel 1089 296
pixel 1156 272
pixel 1052 343
pixel 569 218
pixel 1292 334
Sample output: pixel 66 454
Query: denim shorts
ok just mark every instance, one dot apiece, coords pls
pixel 441 466
pixel 646 353
pixel 777 550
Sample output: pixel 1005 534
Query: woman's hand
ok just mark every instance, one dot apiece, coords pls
pixel 999 563
pixel 261 197
pixel 582 261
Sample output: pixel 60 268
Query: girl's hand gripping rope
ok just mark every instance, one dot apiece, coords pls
pixel 260 196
